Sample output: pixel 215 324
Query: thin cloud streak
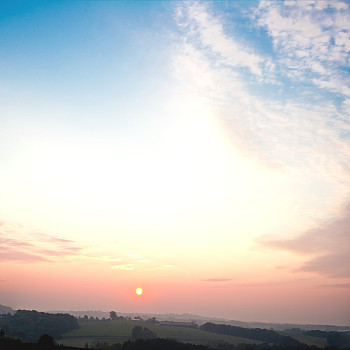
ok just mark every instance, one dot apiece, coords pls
pixel 31 247
pixel 216 280
pixel 126 267
pixel 337 285
pixel 8 255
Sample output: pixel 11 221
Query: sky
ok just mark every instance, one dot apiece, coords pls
pixel 199 150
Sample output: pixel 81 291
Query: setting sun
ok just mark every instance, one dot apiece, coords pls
pixel 139 291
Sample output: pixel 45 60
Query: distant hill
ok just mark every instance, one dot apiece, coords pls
pixel 6 309
pixel 286 326
pixel 204 319
pixel 89 313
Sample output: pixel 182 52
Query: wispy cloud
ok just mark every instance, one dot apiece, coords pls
pixel 144 261
pixel 126 267
pixel 9 254
pixel 14 242
pixel 29 246
pixel 275 133
pixel 326 248
pixel 161 267
pixel 208 33
pixel 107 258
pixel 312 40
pixel 336 285
pixel 130 262
pixel 307 139
pixel 216 280
pixel 49 238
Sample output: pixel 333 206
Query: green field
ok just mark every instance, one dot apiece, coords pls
pixel 111 332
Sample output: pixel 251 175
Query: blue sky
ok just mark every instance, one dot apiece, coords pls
pixel 135 130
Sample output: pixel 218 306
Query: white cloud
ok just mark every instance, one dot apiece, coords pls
pixel 310 37
pixel 208 32
pixel 144 261
pixel 162 267
pixel 125 267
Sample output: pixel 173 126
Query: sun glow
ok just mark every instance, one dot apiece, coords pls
pixel 139 291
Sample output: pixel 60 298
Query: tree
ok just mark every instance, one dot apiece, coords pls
pixel 46 340
pixel 113 315
pixel 116 346
pixel 152 320
pixel 338 338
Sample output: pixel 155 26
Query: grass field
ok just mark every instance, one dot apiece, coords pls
pixel 119 331
pixel 111 332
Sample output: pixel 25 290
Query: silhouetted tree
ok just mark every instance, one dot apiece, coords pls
pixel 338 338
pixel 152 320
pixel 113 315
pixel 116 346
pixel 46 340
pixel 30 325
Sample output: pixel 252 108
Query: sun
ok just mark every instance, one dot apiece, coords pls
pixel 139 291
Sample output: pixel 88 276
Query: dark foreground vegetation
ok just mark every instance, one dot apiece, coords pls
pixel 153 344
pixel 30 325
pixel 31 330
pixel 16 344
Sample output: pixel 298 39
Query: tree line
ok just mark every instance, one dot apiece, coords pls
pixel 30 325
pixel 341 339
pixel 332 337
pixel 264 335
